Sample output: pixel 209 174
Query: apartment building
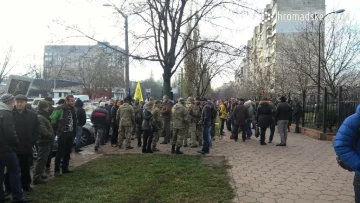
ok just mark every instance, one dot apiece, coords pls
pixel 282 18
pixel 71 62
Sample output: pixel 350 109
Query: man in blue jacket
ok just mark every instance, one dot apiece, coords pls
pixel 344 147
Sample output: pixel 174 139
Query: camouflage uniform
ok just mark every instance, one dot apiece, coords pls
pixel 189 103
pixel 179 118
pixel 158 121
pixel 195 116
pixel 126 116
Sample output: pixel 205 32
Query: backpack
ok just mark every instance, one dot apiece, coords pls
pixel 139 116
pixel 341 162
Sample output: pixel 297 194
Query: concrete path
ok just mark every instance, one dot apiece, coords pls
pixel 304 171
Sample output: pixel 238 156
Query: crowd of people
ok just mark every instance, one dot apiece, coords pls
pixel 239 115
pixel 148 121
pixel 119 121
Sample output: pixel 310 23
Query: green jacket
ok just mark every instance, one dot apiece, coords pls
pixel 60 117
pixel 46 132
pixel 126 115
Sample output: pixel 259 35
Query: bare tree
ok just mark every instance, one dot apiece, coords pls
pixel 5 68
pixel 340 58
pixel 165 24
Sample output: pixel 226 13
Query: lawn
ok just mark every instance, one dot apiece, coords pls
pixel 140 178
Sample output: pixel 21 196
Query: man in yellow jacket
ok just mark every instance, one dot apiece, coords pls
pixel 223 115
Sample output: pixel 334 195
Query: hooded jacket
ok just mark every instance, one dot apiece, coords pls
pixel 80 113
pixel 344 141
pixel 8 137
pixel 27 130
pixel 46 132
pixel 60 117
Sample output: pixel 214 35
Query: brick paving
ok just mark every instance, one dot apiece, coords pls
pixel 304 171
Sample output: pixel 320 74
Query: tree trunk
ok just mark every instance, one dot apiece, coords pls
pixel 167 83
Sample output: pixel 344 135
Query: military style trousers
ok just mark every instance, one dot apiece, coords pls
pixel 193 134
pixel 178 137
pixel 156 138
pixel 43 155
pixel 124 133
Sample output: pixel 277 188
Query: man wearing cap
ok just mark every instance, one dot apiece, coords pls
pixel 179 118
pixel 45 141
pixel 63 120
pixel 27 130
pixel 8 145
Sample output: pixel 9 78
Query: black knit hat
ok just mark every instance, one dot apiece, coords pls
pixel 5 98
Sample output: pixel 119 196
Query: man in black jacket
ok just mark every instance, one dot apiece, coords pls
pixel 63 120
pixel 27 129
pixel 107 133
pixel 283 113
pixel 100 119
pixel 8 145
pixel 80 122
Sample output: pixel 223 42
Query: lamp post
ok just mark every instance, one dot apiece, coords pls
pixel 319 64
pixel 127 82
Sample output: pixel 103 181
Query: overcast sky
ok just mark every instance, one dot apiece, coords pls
pixel 28 25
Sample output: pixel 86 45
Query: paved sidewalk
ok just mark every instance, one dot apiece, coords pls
pixel 304 171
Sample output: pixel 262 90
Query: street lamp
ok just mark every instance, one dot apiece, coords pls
pixel 127 82
pixel 319 63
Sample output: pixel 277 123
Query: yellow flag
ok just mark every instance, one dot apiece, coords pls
pixel 138 93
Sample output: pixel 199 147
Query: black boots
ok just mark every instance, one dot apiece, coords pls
pixel 172 149
pixel 178 151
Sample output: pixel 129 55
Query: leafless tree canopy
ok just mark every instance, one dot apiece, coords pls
pixel 166 23
pixel 340 59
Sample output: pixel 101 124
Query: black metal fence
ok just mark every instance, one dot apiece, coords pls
pixel 332 111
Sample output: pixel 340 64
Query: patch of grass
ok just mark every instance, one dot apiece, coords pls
pixel 140 178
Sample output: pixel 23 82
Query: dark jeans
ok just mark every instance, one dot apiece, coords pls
pixel 272 132
pixel 357 188
pixel 65 142
pixel 262 134
pixel 212 130
pixel 248 128
pixel 10 161
pixel 107 134
pixel 222 125
pixel 206 130
pixel 25 165
pixel 166 131
pixel 228 124
pixel 147 139
pixel 114 136
pixel 236 131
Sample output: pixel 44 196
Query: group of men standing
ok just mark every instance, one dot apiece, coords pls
pixel 175 122
pixel 20 130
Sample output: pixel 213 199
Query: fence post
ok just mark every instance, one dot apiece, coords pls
pixel 339 100
pixel 324 123
pixel 303 108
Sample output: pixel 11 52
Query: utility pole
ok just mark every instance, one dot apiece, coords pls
pixel 127 85
pixel 127 82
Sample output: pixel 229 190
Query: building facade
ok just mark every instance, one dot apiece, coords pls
pixel 92 65
pixel 282 19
